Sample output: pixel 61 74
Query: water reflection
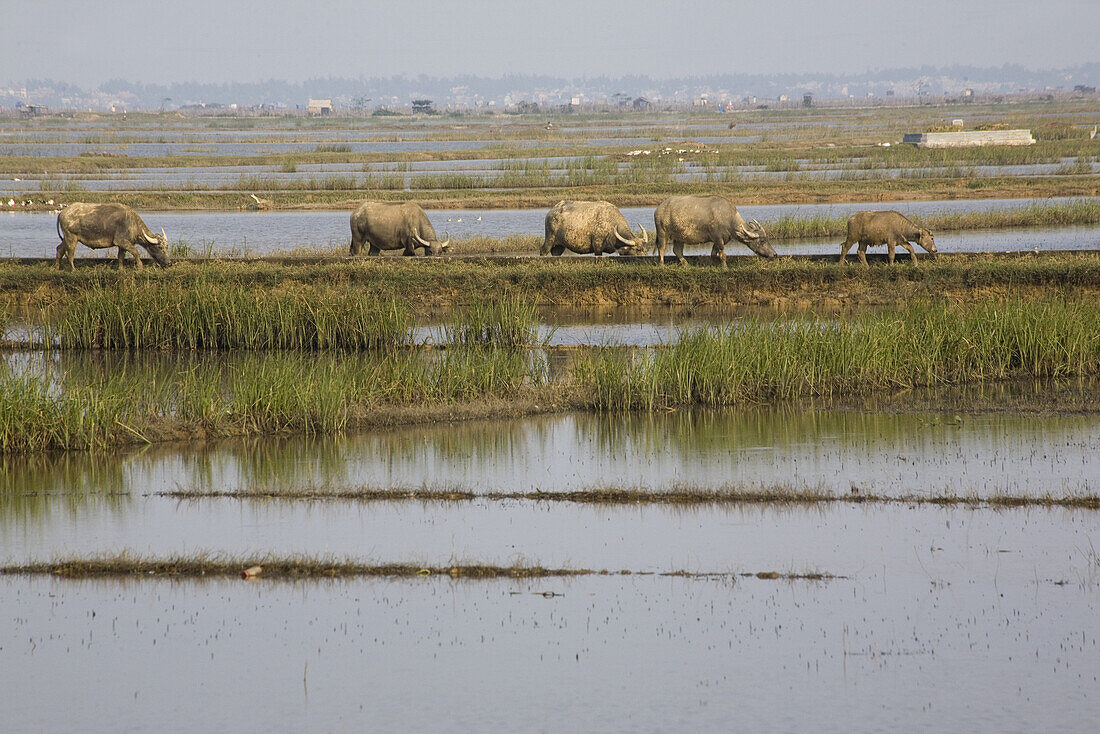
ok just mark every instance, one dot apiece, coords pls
pixel 889 454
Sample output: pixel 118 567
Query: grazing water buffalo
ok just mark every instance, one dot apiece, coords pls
pixel 695 220
pixel 590 227
pixel 888 228
pixel 108 225
pixel 383 225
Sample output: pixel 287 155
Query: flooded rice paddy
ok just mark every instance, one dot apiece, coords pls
pixel 33 234
pixel 946 617
pixel 861 606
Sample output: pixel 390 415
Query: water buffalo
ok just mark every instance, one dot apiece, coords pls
pixel 590 227
pixel 385 225
pixel 108 225
pixel 695 220
pixel 888 228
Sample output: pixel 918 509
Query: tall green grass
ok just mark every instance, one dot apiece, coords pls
pixel 505 322
pixel 258 394
pixel 210 315
pixel 765 360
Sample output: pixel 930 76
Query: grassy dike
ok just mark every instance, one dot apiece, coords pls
pixel 751 360
pixel 422 286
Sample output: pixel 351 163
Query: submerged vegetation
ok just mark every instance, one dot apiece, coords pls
pixel 304 567
pixel 677 495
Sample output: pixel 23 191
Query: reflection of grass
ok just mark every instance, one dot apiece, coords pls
pixel 302 567
pixel 677 494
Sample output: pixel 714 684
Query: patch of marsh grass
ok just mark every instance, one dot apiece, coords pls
pixel 759 360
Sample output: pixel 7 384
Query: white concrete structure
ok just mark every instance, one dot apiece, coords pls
pixel 969 139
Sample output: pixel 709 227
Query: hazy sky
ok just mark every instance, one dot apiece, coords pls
pixel 87 43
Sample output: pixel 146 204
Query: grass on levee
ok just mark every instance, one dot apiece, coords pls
pixel 764 360
pixel 423 285
pixel 751 361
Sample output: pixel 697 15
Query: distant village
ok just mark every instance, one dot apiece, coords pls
pixel 520 95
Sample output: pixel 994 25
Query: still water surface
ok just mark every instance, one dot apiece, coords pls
pixel 942 618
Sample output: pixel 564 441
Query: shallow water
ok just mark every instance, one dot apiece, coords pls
pixel 80 502
pixel 34 234
pixel 941 618
pixel 944 619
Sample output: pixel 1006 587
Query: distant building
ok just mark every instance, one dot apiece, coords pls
pixel 319 106
pixel 807 100
pixel 641 103
pixel 526 107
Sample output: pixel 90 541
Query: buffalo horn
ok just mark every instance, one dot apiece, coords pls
pixel 417 237
pixel 164 235
pixel 622 239
pixel 645 235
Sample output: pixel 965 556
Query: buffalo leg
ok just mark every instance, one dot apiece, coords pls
pixel 678 248
pixel 374 251
pixel 912 252
pixel 890 252
pixel 557 250
pixel 844 247
pixel 662 243
pixel 65 250
pixel 862 250
pixel 128 247
pixel 718 254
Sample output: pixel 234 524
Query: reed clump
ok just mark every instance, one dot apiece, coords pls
pixel 507 322
pixel 281 392
pixel 211 315
pixel 761 360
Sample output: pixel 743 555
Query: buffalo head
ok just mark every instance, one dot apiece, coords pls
pixel 157 247
pixel 754 236
pixel 924 239
pixel 432 247
pixel 635 246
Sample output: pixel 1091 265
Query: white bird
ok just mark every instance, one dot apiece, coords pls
pixel 17 179
pixel 479 219
pixel 459 219
pixel 11 202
